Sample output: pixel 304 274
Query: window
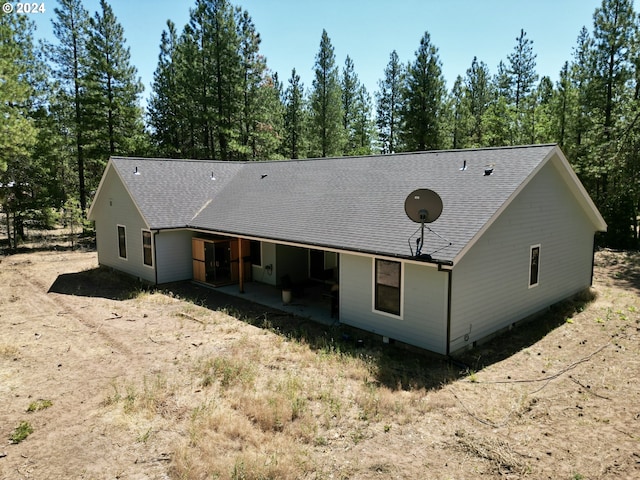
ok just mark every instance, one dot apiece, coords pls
pixel 387 286
pixel 255 249
pixel 534 265
pixel 147 253
pixel 122 241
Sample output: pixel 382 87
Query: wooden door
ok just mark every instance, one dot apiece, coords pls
pixel 197 254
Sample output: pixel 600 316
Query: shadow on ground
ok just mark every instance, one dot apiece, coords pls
pixel 98 282
pixel 619 268
pixel 396 366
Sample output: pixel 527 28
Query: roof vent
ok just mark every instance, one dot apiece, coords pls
pixel 464 166
pixel 263 176
pixel 136 172
pixel 212 176
pixel 488 170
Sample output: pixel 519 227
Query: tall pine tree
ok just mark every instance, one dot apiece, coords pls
pixel 424 99
pixel 295 118
pixel 389 104
pixel 477 98
pixel 112 108
pixel 164 111
pixel 326 116
pixel 69 57
pixel 522 71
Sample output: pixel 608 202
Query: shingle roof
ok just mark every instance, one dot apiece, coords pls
pixel 349 203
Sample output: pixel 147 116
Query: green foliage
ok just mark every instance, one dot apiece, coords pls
pixel 326 113
pixel 21 432
pixel 294 144
pixel 39 405
pixel 424 99
pixel 112 112
pixel 67 126
pixel 17 130
pixel 389 102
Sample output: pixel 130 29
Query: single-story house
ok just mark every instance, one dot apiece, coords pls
pixel 516 233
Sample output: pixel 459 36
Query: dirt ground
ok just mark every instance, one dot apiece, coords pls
pixel 117 367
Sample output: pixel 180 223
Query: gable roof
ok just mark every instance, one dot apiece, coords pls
pixel 345 203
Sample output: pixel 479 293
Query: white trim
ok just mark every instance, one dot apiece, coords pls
pixel 373 289
pixel 126 243
pixel 153 260
pixel 532 285
pixel 124 184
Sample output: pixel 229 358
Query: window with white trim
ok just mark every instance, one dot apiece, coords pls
pixel 122 241
pixel 534 265
pixel 147 252
pixel 388 286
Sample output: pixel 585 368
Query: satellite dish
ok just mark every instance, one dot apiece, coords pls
pixel 423 206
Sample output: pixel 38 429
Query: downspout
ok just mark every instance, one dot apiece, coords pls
pixel 155 257
pixel 593 257
pixel 449 284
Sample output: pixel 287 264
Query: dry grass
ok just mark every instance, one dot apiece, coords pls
pixel 179 383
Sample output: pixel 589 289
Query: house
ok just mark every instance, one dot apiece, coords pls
pixel 516 233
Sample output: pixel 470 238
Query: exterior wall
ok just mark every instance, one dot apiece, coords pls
pixel 173 255
pixel 117 208
pixel 491 282
pixel 261 274
pixel 423 299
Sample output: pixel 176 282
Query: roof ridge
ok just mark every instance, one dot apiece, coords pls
pixel 376 155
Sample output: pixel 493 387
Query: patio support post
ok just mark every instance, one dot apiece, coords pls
pixel 241 266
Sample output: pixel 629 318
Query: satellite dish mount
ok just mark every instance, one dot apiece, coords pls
pixel 423 206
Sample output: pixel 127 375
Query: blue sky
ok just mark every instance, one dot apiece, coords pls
pixel 368 31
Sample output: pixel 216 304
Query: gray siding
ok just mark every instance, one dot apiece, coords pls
pixel 260 274
pixel 424 300
pixel 117 208
pixel 491 282
pixel 173 255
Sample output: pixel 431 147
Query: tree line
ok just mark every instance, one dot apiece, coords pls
pixel 69 105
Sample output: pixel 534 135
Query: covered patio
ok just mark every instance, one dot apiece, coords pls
pixel 313 302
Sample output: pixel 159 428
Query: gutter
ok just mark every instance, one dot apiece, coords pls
pixel 436 262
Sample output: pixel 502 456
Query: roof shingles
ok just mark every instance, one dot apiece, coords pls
pixel 352 203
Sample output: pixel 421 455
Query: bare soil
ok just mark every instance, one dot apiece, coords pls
pixel 185 382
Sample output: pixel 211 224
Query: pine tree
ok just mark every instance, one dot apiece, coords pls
pixel 17 131
pixel 424 99
pixel 268 126
pixel 69 58
pixel 253 89
pixel 542 119
pixel 615 30
pixel 477 98
pixel 22 86
pixel 327 130
pixel 113 90
pixel 356 109
pixel 362 125
pixel 164 104
pixel 294 143
pixel 389 99
pixel 522 70
pixel 459 119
